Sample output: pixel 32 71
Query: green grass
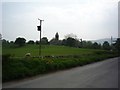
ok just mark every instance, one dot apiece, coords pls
pixel 46 50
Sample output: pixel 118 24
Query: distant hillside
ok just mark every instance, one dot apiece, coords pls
pixel 101 41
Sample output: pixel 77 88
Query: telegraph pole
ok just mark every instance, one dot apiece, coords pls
pixel 39 29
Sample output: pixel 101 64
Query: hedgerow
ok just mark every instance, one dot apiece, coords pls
pixel 18 68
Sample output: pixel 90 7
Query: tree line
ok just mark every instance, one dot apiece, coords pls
pixel 70 40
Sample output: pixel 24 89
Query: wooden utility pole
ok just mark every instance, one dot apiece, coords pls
pixel 39 29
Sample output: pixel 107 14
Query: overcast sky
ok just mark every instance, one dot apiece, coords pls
pixel 88 19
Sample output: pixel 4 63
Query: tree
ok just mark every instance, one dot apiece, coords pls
pixel 106 46
pixel 87 44
pixel 20 41
pixel 117 45
pixel 84 44
pixel 57 36
pixel 95 45
pixel 0 36
pixel 37 42
pixel 5 42
pixel 99 46
pixel 64 42
pixel 11 42
pixel 44 40
pixel 30 42
pixel 71 42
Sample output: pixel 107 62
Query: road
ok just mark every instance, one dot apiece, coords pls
pixel 102 74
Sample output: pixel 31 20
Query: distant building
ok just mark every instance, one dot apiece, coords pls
pixel 57 36
pixel 55 40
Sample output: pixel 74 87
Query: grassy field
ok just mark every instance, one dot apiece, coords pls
pixel 18 68
pixel 46 50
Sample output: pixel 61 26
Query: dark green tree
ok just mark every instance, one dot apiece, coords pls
pixel 95 45
pixel 5 42
pixel 30 42
pixel 106 46
pixel 117 45
pixel 11 42
pixel 44 40
pixel 71 42
pixel 20 41
pixel 87 44
pixel 84 44
pixel 0 36
pixel 64 42
pixel 99 46
pixel 37 42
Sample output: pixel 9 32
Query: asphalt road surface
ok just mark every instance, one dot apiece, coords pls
pixel 102 74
